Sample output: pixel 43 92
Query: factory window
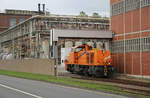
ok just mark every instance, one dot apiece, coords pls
pixel 138 44
pixel 120 7
pixel 145 3
pixel 113 47
pixel 142 43
pixel 21 20
pixel 134 44
pixel 142 3
pixel 137 4
pixel 12 21
pixel 126 45
pixel 146 45
pixel 121 45
pixel 129 5
pixel 117 46
pixel 117 8
pixel 131 45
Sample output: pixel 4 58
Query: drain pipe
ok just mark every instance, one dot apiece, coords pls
pixel 124 25
pixel 141 65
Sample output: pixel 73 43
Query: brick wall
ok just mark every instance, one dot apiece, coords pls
pixel 5 20
pixel 131 21
pixel 114 1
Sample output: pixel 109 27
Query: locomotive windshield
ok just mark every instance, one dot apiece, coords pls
pixel 77 49
pixel 81 48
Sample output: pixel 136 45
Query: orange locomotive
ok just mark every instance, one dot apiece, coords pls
pixel 93 62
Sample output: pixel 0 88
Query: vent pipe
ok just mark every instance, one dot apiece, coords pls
pixel 43 8
pixel 39 7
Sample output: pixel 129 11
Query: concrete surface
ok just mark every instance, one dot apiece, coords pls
pixel 39 66
pixel 11 87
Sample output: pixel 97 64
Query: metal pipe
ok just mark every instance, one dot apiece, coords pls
pixel 39 7
pixel 141 66
pixel 13 43
pixel 44 8
pixel 132 54
pixel 30 36
pixel 132 63
pixel 149 15
pixel 124 38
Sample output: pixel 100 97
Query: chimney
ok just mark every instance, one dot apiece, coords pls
pixel 43 8
pixel 39 7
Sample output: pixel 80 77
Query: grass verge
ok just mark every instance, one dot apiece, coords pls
pixel 72 82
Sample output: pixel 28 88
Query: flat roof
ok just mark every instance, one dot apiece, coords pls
pixel 42 17
pixel 58 33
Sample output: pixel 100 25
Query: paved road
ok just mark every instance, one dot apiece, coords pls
pixel 11 87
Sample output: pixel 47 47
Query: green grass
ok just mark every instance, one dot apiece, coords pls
pixel 72 82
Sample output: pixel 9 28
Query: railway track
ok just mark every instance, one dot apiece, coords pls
pixel 129 85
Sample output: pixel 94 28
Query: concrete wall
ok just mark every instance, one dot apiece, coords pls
pixel 39 66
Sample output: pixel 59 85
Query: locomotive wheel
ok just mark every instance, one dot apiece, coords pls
pixel 86 73
pixel 92 71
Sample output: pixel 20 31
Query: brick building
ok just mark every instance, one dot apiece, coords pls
pixel 130 22
pixel 13 17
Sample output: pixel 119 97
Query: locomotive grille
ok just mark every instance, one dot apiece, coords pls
pixel 90 58
pixel 87 58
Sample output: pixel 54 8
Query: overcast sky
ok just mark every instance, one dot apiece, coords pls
pixel 65 7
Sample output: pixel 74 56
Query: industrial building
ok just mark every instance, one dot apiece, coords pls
pixel 53 36
pixel 12 17
pixel 130 22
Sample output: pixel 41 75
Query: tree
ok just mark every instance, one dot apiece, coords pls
pixel 96 15
pixel 83 14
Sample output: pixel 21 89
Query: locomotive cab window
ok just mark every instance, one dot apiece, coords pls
pixel 79 49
